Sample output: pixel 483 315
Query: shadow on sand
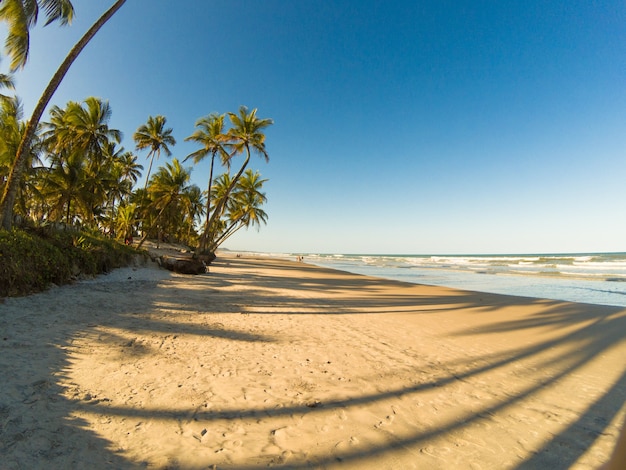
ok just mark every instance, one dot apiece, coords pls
pixel 585 334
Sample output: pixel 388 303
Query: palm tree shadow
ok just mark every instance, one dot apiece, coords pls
pixel 580 435
pixel 585 334
pixel 589 333
pixel 599 336
pixel 38 338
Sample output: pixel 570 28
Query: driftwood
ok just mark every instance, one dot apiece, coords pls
pixel 183 265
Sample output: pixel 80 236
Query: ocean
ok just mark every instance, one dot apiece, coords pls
pixel 595 278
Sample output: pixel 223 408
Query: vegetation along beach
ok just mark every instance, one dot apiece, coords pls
pixel 417 262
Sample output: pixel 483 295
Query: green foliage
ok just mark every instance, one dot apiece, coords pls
pixel 76 175
pixel 32 260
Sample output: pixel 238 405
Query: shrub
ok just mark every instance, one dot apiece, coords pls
pixel 32 260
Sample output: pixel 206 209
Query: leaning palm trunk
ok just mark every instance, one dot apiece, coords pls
pixel 17 169
pixel 205 233
pixel 231 230
pixel 219 209
pixel 154 224
pixel 149 170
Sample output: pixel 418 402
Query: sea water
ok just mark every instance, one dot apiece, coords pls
pixel 596 278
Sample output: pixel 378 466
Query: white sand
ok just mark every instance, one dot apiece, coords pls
pixel 274 363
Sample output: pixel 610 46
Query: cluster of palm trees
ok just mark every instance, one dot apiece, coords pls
pixel 229 203
pixel 77 173
pixel 20 16
pixel 72 168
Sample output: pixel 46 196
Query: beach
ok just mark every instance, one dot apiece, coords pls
pixel 272 362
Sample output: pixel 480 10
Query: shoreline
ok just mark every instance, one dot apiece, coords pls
pixel 267 361
pixel 595 285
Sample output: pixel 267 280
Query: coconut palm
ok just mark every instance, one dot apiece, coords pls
pixel 244 206
pixel 11 129
pixel 91 136
pixel 156 137
pixel 89 125
pixel 57 132
pixel 6 81
pixel 166 189
pixel 125 222
pixel 248 200
pixel 131 170
pixel 245 136
pixel 81 132
pixel 210 135
pixel 192 209
pixel 67 190
pixel 118 184
pixel 10 117
pixel 20 16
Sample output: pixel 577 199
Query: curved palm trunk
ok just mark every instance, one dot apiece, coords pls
pixel 219 210
pixel 154 224
pixel 227 233
pixel 17 169
pixel 149 170
pixel 205 232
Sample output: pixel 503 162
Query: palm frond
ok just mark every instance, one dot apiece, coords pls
pixel 61 10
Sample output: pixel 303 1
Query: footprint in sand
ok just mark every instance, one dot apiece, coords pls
pixel 231 445
pixel 385 422
pixel 344 446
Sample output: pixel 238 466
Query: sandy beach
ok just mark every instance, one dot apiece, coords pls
pixel 266 362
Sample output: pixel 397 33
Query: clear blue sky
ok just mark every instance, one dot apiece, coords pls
pixel 400 127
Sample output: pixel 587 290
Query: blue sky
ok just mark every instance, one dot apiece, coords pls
pixel 400 127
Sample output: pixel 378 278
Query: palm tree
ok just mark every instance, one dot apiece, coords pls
pixel 244 206
pixel 90 129
pixel 131 170
pixel 192 208
pixel 117 177
pixel 6 81
pixel 21 15
pixel 154 136
pixel 245 136
pixel 92 136
pixel 66 188
pixel 166 188
pixel 10 116
pixel 57 132
pixel 81 132
pixel 210 135
pixel 11 130
pixel 249 199
pixel 125 222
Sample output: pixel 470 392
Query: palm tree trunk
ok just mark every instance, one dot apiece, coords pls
pixel 17 169
pixel 217 213
pixel 205 232
pixel 156 221
pixel 112 221
pixel 224 236
pixel 67 214
pixel 149 170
